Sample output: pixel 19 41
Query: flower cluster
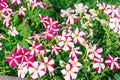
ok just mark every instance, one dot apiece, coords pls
pixel 56 47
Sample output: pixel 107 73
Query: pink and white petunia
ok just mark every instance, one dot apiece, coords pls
pixel 75 62
pixel 13 31
pixel 49 64
pixel 6 20
pixel 66 43
pixel 115 25
pixel 75 52
pixel 55 50
pixel 3 5
pixel 42 52
pixel 69 72
pixel 94 51
pixel 35 48
pixel 80 8
pixel 22 70
pixel 21 12
pixel 67 12
pixel 16 2
pixel 72 19
pixel 37 69
pixel 42 17
pixel 78 36
pixel 112 62
pixel 14 59
pixel 98 64
pixel 0 46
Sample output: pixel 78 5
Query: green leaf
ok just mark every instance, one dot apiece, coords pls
pixel 117 77
pixel 15 19
pixel 38 11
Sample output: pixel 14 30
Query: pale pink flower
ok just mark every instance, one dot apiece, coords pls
pixel 80 8
pixel 35 48
pixel 55 50
pixel 98 64
pixel 66 43
pixel 115 25
pixel 37 69
pixel 72 19
pixel 16 2
pixel 49 64
pixel 69 72
pixel 13 31
pixel 67 12
pixel 112 62
pixel 78 36
pixel 22 70
pixel 75 52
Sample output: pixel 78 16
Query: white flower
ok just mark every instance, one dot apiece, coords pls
pixel 22 69
pixel 37 70
pixel 13 31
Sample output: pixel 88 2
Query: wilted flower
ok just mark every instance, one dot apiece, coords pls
pixel 13 31
pixel 112 62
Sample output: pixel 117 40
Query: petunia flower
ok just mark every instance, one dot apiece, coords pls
pixel 35 48
pixel 55 50
pixel 37 69
pixel 14 59
pixel 6 20
pixel 115 25
pixel 75 52
pixel 22 70
pixel 80 8
pixel 69 72
pixel 49 64
pixel 42 52
pixel 13 31
pixel 72 19
pixel 98 64
pixel 112 62
pixel 78 36
pixel 3 5
pixel 42 17
pixel 93 51
pixel 67 12
pixel 0 46
pixel 21 12
pixel 66 43
pixel 75 62
pixel 16 2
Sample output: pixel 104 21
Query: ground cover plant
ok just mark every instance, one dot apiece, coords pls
pixel 60 39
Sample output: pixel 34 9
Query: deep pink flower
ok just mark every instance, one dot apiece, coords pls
pixel 49 64
pixel 14 59
pixel 6 20
pixel 35 48
pixel 7 11
pixel 69 72
pixel 112 62
pixel 42 17
pixel 98 64
pixel 16 2
pixel 3 5
pixel 2 1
